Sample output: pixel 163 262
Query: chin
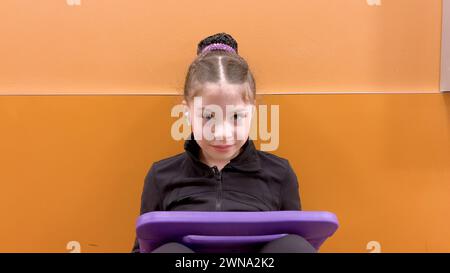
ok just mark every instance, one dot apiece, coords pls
pixel 223 155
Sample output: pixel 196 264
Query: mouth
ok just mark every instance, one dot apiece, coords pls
pixel 222 148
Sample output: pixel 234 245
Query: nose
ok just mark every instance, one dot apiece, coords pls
pixel 223 131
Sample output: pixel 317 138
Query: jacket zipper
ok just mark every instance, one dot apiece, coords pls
pixel 218 175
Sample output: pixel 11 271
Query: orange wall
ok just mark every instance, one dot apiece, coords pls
pixel 72 167
pixel 142 46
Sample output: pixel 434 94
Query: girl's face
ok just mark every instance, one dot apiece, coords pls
pixel 220 120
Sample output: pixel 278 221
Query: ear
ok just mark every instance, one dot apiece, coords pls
pixel 186 112
pixel 185 105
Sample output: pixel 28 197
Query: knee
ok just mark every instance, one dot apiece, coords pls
pixel 172 247
pixel 302 245
pixel 291 243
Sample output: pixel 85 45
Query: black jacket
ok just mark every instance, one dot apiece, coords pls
pixel 252 181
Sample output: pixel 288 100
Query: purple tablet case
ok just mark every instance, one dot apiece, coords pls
pixel 231 231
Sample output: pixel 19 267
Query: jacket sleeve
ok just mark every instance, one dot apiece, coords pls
pixel 290 196
pixel 150 199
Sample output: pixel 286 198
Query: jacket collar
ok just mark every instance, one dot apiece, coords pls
pixel 247 160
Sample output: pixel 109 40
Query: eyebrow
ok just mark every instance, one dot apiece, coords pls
pixel 234 110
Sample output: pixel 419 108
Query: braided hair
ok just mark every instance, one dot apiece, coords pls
pixel 209 64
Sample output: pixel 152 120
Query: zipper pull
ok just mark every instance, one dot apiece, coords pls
pixel 217 173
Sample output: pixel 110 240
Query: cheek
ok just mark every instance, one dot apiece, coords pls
pixel 203 145
pixel 243 128
pixel 197 124
pixel 198 134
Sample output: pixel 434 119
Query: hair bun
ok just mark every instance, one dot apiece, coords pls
pixel 222 38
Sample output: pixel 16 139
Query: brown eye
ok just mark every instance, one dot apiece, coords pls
pixel 237 116
pixel 208 116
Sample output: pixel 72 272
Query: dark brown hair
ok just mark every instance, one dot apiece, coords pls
pixel 207 66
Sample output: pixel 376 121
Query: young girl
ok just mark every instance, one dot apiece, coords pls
pixel 222 170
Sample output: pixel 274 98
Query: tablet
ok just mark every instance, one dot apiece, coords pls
pixel 231 231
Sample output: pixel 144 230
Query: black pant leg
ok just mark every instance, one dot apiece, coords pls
pixel 173 247
pixel 290 243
